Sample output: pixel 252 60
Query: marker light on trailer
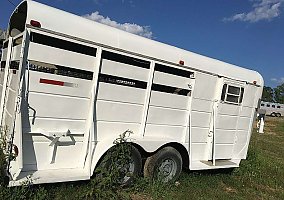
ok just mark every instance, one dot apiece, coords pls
pixel 181 62
pixel 35 23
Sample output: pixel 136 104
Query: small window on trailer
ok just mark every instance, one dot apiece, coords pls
pixel 232 94
pixel 267 105
pixel 262 104
pixel 278 107
pixel 125 59
pixel 273 106
pixel 62 44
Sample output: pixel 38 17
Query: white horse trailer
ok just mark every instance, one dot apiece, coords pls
pixel 70 86
pixel 273 109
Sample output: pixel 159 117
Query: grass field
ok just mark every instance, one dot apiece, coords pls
pixel 261 176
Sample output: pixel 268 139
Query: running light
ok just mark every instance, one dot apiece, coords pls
pixel 181 62
pixel 35 23
pixel 254 82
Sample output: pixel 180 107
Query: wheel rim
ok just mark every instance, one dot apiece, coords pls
pixel 167 170
pixel 127 171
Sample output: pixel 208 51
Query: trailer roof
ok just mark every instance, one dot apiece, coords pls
pixel 63 22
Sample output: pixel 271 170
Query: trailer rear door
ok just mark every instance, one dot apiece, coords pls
pixel 12 68
pixel 60 83
pixel 225 118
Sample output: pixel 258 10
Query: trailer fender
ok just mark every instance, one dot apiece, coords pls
pixel 151 147
pixel 144 144
pixel 152 143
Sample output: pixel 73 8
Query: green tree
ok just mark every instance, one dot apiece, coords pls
pixel 2 34
pixel 2 38
pixel 267 94
pixel 279 93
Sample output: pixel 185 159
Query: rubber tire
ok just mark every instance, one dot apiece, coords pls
pixel 153 162
pixel 137 160
pixel 278 114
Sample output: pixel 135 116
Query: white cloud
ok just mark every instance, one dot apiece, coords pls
pixel 278 80
pixel 144 31
pixel 262 10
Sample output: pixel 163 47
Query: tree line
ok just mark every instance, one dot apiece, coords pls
pixel 275 95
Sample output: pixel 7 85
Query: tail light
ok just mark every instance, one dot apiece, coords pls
pixel 35 23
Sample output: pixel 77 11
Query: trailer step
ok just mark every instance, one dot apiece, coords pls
pixel 50 176
pixel 202 165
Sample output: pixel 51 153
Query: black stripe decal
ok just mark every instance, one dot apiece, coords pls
pixel 125 59
pixel 171 90
pixel 122 81
pixel 62 44
pixel 174 71
pixel 63 71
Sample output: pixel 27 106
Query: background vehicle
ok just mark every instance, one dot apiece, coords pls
pixel 273 109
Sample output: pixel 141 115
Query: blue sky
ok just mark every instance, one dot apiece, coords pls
pixel 248 33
